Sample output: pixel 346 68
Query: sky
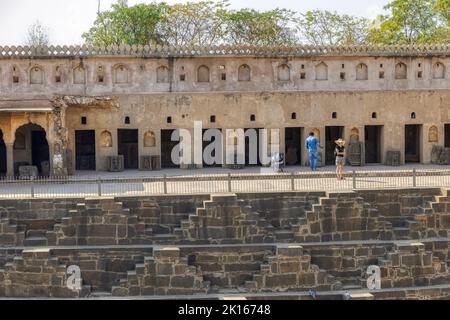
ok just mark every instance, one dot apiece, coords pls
pixel 68 19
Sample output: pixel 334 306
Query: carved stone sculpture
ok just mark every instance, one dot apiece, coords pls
pixel 393 158
pixel 116 163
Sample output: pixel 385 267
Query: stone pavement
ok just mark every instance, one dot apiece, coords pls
pixel 215 180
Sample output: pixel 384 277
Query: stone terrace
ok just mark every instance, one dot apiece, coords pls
pixel 255 245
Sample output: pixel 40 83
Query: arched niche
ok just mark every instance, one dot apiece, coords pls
pixel 149 139
pixel 284 72
pixel 322 71
pixel 79 75
pixel 162 74
pixel 106 139
pixel 354 135
pixel 244 73
pixel 433 134
pixel 203 74
pixel 36 75
pixel 401 71
pixel 316 133
pixel 362 72
pixel 120 74
pixel 438 70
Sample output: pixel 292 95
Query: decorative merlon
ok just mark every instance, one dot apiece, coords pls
pixel 222 50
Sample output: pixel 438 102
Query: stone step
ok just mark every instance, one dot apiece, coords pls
pixel 100 294
pixel 442 198
pixel 342 194
pixel 412 246
pixel 164 237
pixel 224 197
pixel 35 241
pixel 36 233
pixel 401 233
pixel 283 234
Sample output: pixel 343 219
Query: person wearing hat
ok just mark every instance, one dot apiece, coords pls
pixel 339 153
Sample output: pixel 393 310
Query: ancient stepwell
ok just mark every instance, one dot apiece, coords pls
pixel 250 245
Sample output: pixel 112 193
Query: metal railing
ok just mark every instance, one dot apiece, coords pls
pixel 89 186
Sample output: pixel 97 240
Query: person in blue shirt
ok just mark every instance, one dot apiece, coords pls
pixel 312 143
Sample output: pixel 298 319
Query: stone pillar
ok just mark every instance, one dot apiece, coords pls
pixel 9 159
pixel 59 143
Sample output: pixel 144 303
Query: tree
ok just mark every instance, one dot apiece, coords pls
pixel 248 26
pixel 127 25
pixel 192 23
pixel 409 21
pixel 330 28
pixel 443 9
pixel 37 35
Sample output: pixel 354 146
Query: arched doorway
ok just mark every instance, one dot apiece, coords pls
pixel 31 148
pixel 2 155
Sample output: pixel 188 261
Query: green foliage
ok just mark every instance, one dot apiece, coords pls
pixel 192 23
pixel 127 25
pixel 411 22
pixel 248 26
pixel 209 22
pixel 330 28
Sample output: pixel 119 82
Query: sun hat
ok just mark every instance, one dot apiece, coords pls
pixel 340 142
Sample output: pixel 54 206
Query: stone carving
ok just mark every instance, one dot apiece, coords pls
pixel 74 281
pixel 149 139
pixel 28 172
pixel 440 155
pixel 354 149
pixel 223 50
pixel 116 163
pixel 146 163
pixel 354 153
pixel 105 139
pixel 156 162
pixel 393 158
pixel 433 134
pixel 45 168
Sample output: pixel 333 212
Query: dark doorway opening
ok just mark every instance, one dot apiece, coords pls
pixel 3 166
pixel 332 134
pixel 292 145
pixel 85 149
pixel 213 154
pixel 412 142
pixel 372 143
pixel 167 146
pixel 249 159
pixel 447 135
pixel 128 147
pixel 39 149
